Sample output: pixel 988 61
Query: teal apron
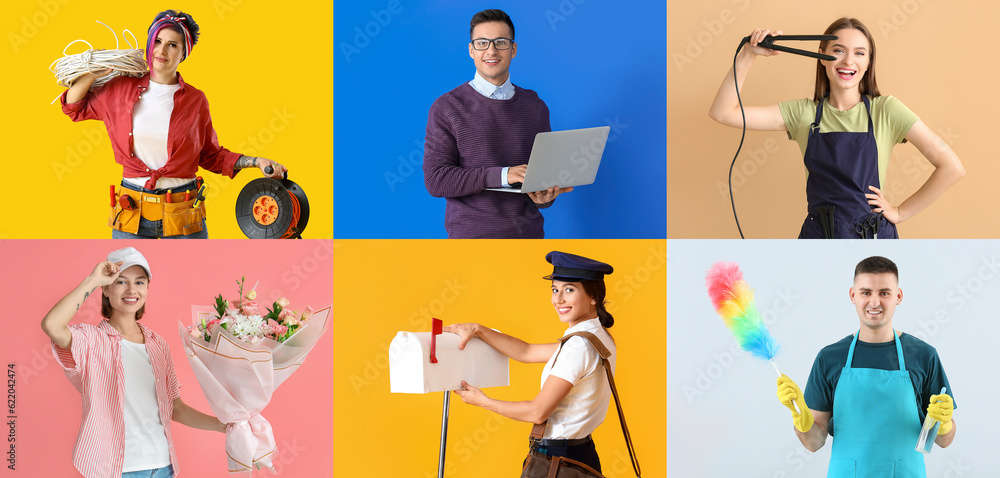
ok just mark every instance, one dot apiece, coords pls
pixel 877 423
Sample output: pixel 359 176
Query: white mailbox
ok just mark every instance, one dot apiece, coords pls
pixel 411 371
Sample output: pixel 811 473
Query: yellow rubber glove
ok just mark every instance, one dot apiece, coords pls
pixel 790 395
pixel 941 409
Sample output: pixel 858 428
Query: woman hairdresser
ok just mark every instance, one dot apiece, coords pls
pixel 846 133
pixel 161 133
pixel 575 392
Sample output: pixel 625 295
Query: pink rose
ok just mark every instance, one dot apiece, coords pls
pixel 282 302
pixel 287 317
pixel 277 328
pixel 196 333
pixel 250 307
pixel 307 313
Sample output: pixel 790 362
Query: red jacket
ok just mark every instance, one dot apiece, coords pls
pixel 191 141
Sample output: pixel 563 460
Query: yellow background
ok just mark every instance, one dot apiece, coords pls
pixel 382 287
pixel 929 55
pixel 266 69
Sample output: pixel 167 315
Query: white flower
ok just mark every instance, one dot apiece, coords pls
pixel 249 328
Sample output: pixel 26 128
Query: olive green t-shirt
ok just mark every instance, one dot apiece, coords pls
pixel 890 118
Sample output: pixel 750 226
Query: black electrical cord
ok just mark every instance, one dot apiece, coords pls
pixel 742 136
pixel 767 42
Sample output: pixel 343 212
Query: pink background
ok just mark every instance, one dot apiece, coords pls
pixel 37 273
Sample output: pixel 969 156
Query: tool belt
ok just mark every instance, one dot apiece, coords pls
pixel 178 216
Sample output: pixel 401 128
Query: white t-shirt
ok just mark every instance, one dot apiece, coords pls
pixel 145 441
pixel 150 128
pixel 584 408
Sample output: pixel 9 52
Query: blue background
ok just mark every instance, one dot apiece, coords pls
pixel 593 62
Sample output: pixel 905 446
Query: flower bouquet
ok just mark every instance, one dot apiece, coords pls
pixel 240 354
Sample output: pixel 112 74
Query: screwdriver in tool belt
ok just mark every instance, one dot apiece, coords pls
pixel 200 197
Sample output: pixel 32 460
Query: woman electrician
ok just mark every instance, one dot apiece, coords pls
pixel 161 133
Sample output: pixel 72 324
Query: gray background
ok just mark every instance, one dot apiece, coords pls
pixel 723 416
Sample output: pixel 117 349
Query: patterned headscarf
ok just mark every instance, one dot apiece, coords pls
pixel 158 25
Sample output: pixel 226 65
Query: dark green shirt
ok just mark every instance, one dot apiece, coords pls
pixel 922 362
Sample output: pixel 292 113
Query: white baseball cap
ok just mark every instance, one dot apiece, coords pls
pixel 129 257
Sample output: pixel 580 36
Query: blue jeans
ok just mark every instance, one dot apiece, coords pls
pixel 165 472
pixel 154 229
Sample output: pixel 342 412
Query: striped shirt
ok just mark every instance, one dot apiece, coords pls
pixel 93 365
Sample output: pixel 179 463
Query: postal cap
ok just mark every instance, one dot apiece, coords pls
pixel 568 267
pixel 129 257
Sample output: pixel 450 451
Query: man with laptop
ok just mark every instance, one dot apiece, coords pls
pixel 480 136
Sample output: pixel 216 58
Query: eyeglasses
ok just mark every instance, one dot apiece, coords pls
pixel 498 43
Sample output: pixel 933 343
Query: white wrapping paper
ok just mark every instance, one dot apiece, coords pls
pixel 238 379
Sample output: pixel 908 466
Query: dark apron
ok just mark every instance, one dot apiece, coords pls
pixel 841 167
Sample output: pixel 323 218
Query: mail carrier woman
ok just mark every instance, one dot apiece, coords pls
pixel 574 395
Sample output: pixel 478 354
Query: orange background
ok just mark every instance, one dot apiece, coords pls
pixel 928 55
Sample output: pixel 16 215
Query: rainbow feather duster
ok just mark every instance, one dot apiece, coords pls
pixel 733 301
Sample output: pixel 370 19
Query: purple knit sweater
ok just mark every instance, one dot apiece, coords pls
pixel 470 138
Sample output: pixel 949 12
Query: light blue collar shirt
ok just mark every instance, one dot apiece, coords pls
pixel 502 92
pixel 489 90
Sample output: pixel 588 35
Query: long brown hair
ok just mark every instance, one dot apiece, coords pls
pixel 597 291
pixel 868 84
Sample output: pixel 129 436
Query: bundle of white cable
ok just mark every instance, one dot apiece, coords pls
pixel 129 62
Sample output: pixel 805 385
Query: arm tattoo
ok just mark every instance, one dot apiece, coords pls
pixel 85 295
pixel 246 162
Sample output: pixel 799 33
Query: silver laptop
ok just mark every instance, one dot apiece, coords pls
pixel 563 159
